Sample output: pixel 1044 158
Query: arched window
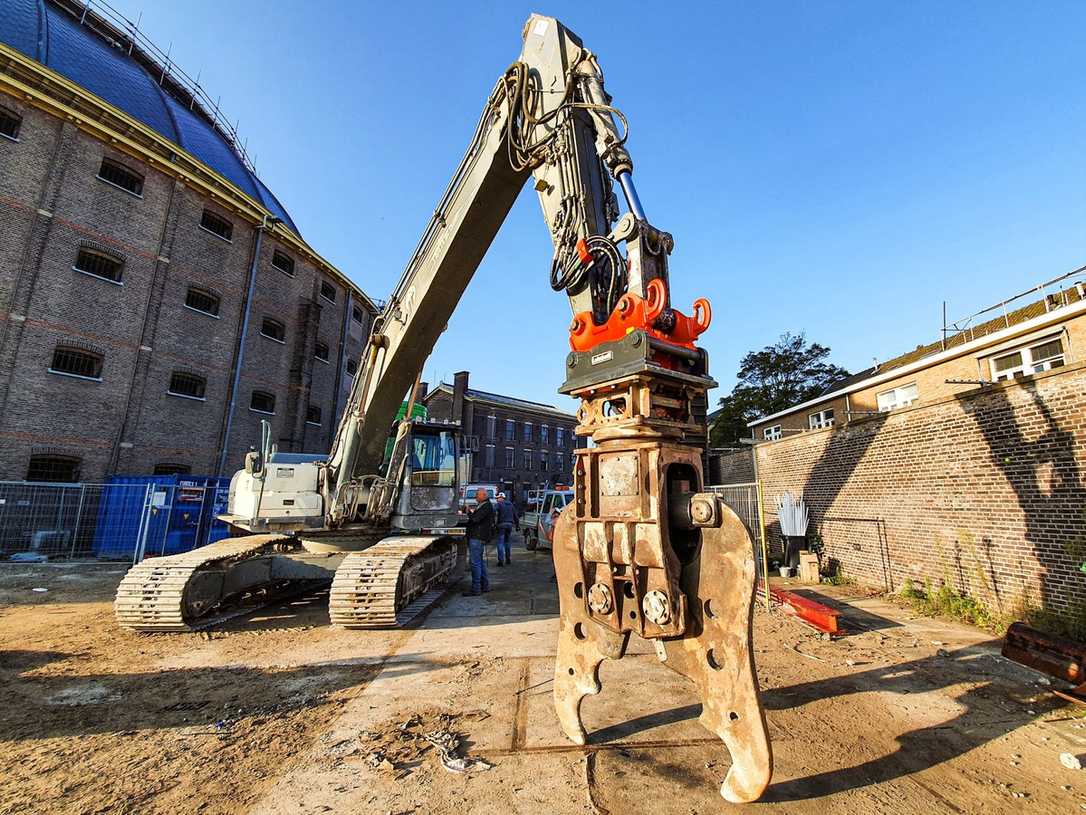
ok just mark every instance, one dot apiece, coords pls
pixel 76 362
pixel 273 330
pixel 99 264
pixel 118 175
pixel 64 469
pixel 189 385
pixel 10 123
pixel 202 300
pixel 262 402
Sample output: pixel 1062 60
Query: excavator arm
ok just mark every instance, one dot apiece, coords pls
pixel 547 117
pixel 641 549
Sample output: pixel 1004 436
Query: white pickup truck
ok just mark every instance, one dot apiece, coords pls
pixel 542 510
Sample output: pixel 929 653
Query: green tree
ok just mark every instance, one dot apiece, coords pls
pixel 777 377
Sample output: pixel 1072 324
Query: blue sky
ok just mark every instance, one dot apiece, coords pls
pixel 833 168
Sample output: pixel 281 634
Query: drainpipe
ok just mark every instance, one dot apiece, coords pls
pixel 269 222
pixel 344 336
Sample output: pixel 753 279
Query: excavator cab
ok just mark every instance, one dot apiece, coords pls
pixel 429 488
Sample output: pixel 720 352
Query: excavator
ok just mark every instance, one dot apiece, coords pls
pixel 640 549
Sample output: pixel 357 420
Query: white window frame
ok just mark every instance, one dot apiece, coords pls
pixel 488 460
pixel 896 394
pixel 528 431
pixel 529 460
pixel 1028 366
pixel 820 419
pixel 544 434
pixel 491 426
pixel 772 433
pixel 559 437
pixel 510 458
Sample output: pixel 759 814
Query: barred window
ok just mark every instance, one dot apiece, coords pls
pixel 357 315
pixel 262 402
pixel 313 414
pixel 202 300
pixel 76 362
pixel 169 468
pixel 273 330
pixel 352 367
pixel 120 176
pixel 186 384
pixel 320 351
pixel 99 264
pixel 283 262
pixel 328 291
pixel 9 124
pixel 217 225
pixel 63 469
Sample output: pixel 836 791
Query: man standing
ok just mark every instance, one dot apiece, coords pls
pixel 480 532
pixel 507 519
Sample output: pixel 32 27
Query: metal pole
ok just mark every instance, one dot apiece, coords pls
pixel 765 549
pixel 267 223
pixel 141 536
pixel 78 518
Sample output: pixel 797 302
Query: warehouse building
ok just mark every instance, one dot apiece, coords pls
pixel 517 444
pixel 156 300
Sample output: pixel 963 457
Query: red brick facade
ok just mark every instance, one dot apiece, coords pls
pixel 985 490
pixel 51 203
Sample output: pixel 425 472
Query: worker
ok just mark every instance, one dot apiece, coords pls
pixel 480 533
pixel 507 517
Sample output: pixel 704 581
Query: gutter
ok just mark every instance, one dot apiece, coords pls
pixel 1041 321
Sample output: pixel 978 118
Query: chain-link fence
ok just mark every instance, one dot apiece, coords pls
pixel 120 521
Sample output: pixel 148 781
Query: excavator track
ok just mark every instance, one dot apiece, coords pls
pixel 157 595
pixel 392 582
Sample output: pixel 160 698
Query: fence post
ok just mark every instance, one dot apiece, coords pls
pixel 765 549
pixel 78 518
pixel 145 523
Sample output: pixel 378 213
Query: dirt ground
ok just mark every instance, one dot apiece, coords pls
pixel 280 713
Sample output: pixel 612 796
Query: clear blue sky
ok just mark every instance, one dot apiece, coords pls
pixel 833 168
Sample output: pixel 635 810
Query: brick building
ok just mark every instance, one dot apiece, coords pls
pixel 156 300
pixel 962 462
pixel 516 444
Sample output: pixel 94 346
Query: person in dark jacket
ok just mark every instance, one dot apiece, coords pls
pixel 507 517
pixel 480 532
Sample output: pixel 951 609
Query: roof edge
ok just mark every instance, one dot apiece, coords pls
pixel 1054 316
pixel 215 185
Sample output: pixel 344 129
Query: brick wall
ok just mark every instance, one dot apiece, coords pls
pixel 730 466
pixel 985 490
pixel 50 201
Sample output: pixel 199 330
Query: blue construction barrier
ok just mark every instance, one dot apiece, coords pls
pixel 169 513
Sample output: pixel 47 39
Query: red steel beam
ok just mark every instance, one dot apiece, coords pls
pixel 811 612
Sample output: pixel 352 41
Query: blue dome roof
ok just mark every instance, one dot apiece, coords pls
pixel 59 41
